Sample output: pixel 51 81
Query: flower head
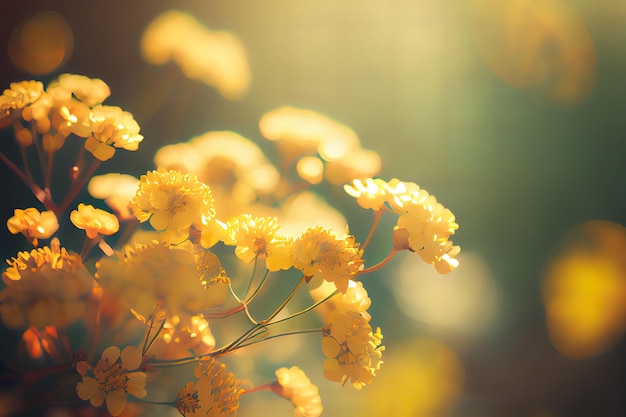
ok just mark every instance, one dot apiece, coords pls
pixel 318 250
pixel 259 237
pixel 216 394
pixel 33 224
pixel 352 349
pixel 94 221
pixel 115 375
pixel 111 128
pixel 157 273
pixel 44 287
pixel 19 95
pixel 173 202
pixel 293 384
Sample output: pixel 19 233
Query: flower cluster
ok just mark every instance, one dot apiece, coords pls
pixel 231 246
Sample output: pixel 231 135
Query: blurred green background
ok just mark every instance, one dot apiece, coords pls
pixel 434 87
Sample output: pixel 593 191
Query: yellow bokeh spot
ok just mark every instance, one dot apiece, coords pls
pixel 311 169
pixel 585 291
pixel 41 44
pixel 538 45
pixel 421 377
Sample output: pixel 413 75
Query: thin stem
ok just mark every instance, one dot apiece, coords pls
pixel 279 335
pixel 380 264
pixel 256 260
pixel 223 314
pixel 285 301
pixel 306 310
pixel 256 291
pixel 48 177
pixel 372 229
pixel 245 307
pixel 77 186
pixel 40 155
pixel 38 192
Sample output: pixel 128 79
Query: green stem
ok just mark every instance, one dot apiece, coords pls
pixel 372 229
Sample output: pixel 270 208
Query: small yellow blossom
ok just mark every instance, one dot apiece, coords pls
pixel 90 91
pixel 33 224
pixel 424 225
pixel 191 336
pixel 44 287
pixel 39 111
pixel 115 375
pixel 259 237
pixel 354 299
pixel 212 277
pixel 173 202
pixel 352 349
pixel 369 194
pixel 216 394
pixel 94 221
pixel 318 250
pixel 19 95
pixel 293 384
pixel 111 128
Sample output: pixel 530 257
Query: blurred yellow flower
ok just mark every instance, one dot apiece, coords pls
pixel 94 221
pixel 293 384
pixel 116 190
pixel 318 250
pixel 173 202
pixel 33 224
pixel 217 58
pixel 141 277
pixel 44 287
pixel 259 237
pixel 352 349
pixel 114 376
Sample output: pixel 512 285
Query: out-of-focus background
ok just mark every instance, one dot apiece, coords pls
pixel 510 112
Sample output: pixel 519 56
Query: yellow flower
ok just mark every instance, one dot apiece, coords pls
pixel 259 237
pixel 216 394
pixel 371 194
pixel 44 287
pixel 354 299
pixel 94 221
pixel 424 225
pixel 173 202
pixel 19 95
pixel 212 277
pixel 114 376
pixel 353 350
pixel 111 128
pixel 90 91
pixel 318 250
pixel 293 384
pixel 116 190
pixel 143 277
pixel 33 224
pixel 191 336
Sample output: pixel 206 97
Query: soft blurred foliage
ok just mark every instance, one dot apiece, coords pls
pixel 511 111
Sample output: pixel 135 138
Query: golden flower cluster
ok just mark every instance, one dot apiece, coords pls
pixel 199 284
